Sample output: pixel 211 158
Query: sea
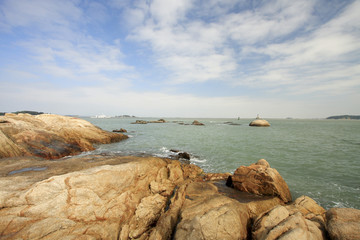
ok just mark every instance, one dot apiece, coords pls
pixel 319 158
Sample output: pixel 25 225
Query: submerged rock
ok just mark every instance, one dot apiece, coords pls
pixel 49 136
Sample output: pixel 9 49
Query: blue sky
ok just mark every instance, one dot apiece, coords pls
pixel 190 58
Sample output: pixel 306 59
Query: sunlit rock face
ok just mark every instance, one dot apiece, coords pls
pixel 49 136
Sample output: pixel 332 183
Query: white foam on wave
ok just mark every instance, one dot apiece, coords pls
pixel 197 160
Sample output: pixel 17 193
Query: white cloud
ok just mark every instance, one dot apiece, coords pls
pixel 43 15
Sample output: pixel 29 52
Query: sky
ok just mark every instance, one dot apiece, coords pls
pixel 189 58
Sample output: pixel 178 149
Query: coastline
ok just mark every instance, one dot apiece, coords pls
pixel 178 187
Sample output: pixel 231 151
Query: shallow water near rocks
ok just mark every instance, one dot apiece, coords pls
pixel 27 170
pixel 318 158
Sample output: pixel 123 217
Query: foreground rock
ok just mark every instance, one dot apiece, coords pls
pixel 123 198
pixel 49 136
pixel 343 223
pixel 101 202
pixel 260 178
pixel 302 220
pixel 113 197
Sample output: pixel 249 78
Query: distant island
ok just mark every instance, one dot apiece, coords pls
pixel 29 112
pixel 357 117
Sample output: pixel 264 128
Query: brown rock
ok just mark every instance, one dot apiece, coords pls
pixel 49 136
pixel 197 123
pixel 216 176
pixel 343 223
pixel 139 122
pixel 121 130
pixel 260 179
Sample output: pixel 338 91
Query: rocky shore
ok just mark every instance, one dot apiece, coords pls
pixel 126 197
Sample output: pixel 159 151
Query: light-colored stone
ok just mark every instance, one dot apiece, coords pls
pixel 343 223
pixel 209 215
pixel 303 219
pixel 260 178
pixel 259 123
pixel 102 202
pixel 49 136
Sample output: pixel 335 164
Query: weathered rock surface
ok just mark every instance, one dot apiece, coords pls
pixel 260 178
pixel 208 214
pixel 303 219
pixel 104 202
pixel 343 223
pixel 49 136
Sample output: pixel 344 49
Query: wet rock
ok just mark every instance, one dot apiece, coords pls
pixel 121 130
pixel 260 178
pixel 139 122
pixel 343 223
pixel 184 155
pixel 50 136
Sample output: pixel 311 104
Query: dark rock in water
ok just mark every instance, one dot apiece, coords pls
pixel 139 122
pixel 174 150
pixel 197 123
pixel 229 182
pixel 233 124
pixel 120 130
pixel 158 121
pixel 184 155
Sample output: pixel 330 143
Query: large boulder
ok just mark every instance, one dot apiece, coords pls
pixel 49 136
pixel 208 215
pixel 259 122
pixel 343 223
pixel 303 219
pixel 260 178
pixel 126 197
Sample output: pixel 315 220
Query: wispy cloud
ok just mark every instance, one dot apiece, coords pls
pixel 142 54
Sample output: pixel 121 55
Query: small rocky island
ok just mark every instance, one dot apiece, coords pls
pixel 128 197
pixel 259 122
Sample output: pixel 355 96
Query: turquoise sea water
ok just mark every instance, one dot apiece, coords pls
pixel 318 158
